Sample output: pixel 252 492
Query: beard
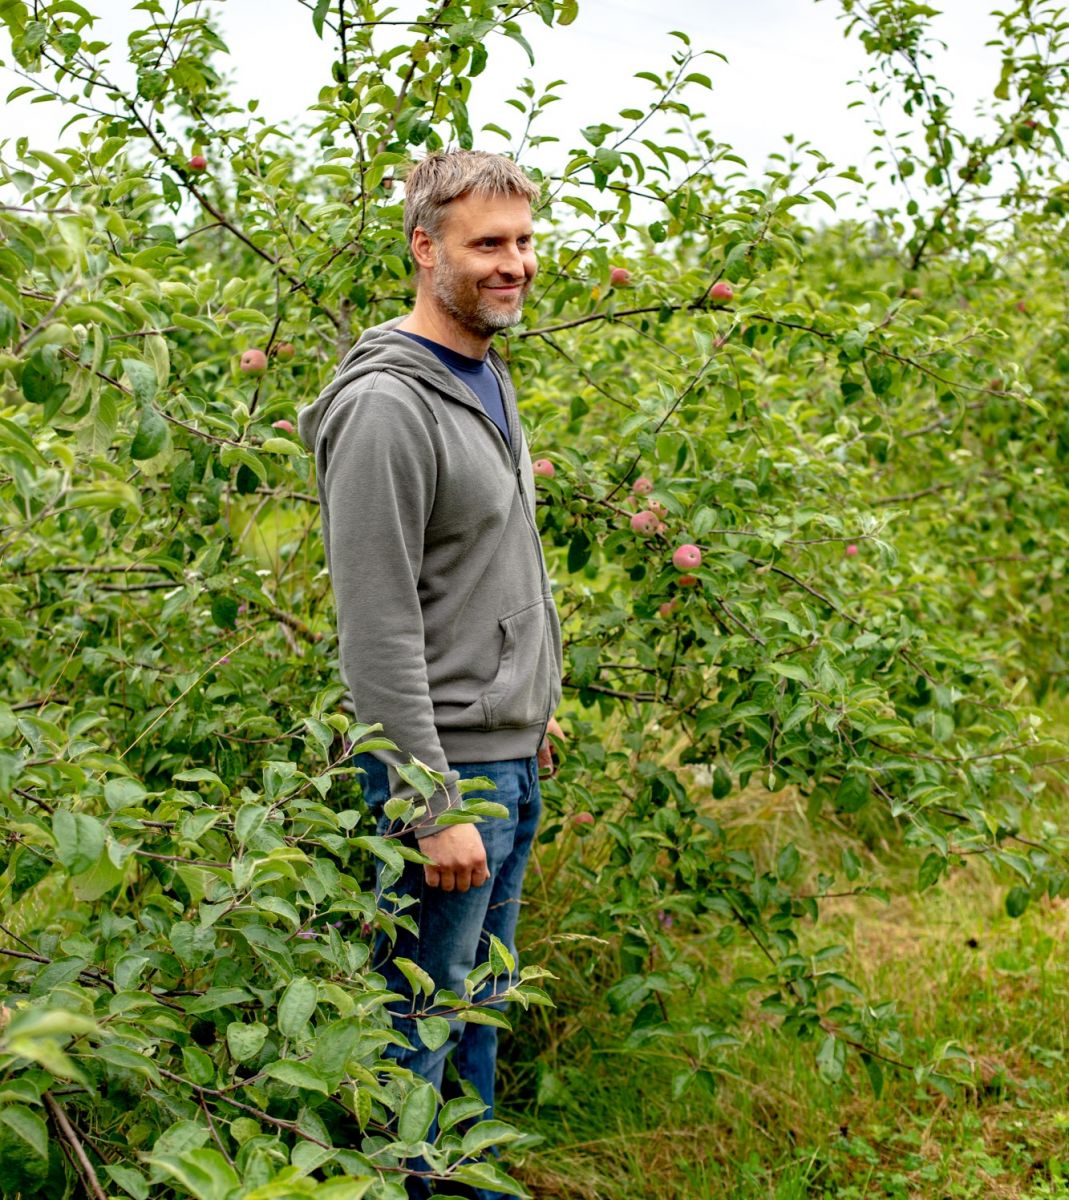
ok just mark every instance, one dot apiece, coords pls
pixel 458 295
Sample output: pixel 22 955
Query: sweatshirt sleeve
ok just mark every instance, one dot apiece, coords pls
pixel 378 469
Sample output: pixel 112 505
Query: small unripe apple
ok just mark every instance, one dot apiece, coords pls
pixel 619 277
pixel 1021 306
pixel 543 467
pixel 197 163
pixel 644 523
pixel 688 581
pixel 687 557
pixel 642 486
pixel 667 608
pixel 254 362
pixel 285 351
pixel 284 425
pixel 582 818
pixel 661 527
pixel 721 290
pixel 851 550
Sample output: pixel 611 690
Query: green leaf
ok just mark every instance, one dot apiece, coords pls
pixel 501 960
pixel 852 793
pixel 462 1108
pixel 874 1072
pixel 204 1172
pixel 28 1125
pixel 319 16
pixel 296 1006
pixel 79 840
pixel 433 1032
pixel 250 817
pixel 152 435
pixel 486 1134
pixel 143 381
pixel 224 610
pixel 297 1074
pixel 245 1041
pixel 417 1113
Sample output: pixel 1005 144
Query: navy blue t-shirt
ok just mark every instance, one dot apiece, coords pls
pixel 477 374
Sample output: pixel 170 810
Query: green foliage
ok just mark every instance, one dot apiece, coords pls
pixel 867 441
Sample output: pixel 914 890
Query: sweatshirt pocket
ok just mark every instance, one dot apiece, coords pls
pixel 520 692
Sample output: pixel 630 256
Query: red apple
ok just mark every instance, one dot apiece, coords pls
pixel 644 523
pixel 284 425
pixel 582 818
pixel 642 486
pixel 687 557
pixel 284 351
pixel 543 467
pixel 851 550
pixel 254 362
pixel 667 608
pixel 197 163
pixel 721 290
pixel 688 581
pixel 619 277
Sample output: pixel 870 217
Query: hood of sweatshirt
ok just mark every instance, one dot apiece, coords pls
pixel 381 349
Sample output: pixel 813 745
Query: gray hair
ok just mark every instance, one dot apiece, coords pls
pixel 439 179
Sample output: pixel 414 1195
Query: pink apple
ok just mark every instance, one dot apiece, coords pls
pixel 619 277
pixel 644 523
pixel 657 507
pixel 582 818
pixel 721 290
pixel 284 425
pixel 285 351
pixel 667 608
pixel 642 486
pixel 851 550
pixel 687 557
pixel 197 163
pixel 254 362
pixel 543 467
pixel 661 527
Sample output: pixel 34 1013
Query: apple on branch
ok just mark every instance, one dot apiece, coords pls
pixel 687 557
pixel 645 523
pixel 253 362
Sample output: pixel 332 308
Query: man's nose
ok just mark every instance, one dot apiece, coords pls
pixel 513 262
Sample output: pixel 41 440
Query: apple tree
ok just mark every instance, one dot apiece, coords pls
pixel 803 503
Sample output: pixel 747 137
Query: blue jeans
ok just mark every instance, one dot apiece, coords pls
pixel 455 927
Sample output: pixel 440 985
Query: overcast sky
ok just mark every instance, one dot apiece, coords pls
pixel 788 71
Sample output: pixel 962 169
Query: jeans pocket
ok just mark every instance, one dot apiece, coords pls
pixel 374 783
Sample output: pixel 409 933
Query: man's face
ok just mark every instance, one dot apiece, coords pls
pixel 485 262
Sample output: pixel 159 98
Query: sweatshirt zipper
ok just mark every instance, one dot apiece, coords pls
pixel 514 449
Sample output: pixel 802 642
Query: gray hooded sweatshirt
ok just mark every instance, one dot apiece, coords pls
pixel 447 629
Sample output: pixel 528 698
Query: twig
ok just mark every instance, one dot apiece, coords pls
pixel 63 1126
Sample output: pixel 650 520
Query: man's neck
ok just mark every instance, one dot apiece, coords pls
pixel 427 320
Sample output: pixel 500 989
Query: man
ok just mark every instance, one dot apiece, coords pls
pixel 448 632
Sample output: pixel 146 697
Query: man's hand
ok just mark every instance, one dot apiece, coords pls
pixel 546 763
pixel 459 858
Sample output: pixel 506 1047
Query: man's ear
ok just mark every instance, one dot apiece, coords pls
pixel 424 248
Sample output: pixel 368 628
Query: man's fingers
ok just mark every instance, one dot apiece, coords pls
pixel 430 874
